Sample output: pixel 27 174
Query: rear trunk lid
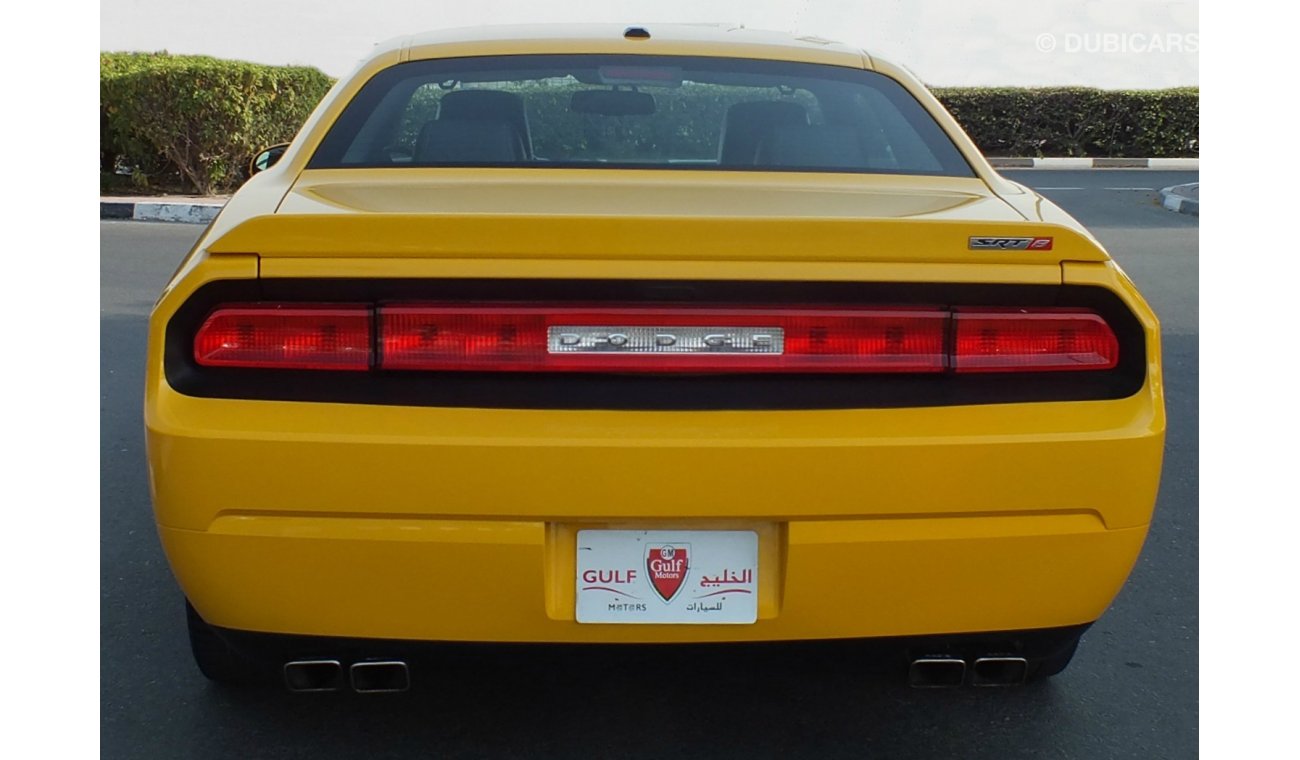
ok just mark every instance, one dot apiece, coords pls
pixel 653 215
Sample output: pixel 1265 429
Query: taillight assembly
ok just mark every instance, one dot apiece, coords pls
pixel 286 336
pixel 662 339
pixel 1031 341
pixel 504 337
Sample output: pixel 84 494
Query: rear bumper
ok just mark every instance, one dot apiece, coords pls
pixel 512 582
pixel 459 524
pixel 402 523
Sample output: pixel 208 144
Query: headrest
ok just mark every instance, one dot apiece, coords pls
pixel 831 147
pixel 488 104
pixel 455 141
pixel 746 124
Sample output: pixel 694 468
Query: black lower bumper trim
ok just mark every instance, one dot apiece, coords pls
pixel 887 652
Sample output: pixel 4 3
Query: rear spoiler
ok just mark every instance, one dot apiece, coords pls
pixel 645 238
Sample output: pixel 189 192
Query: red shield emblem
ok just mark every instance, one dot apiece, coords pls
pixel 668 565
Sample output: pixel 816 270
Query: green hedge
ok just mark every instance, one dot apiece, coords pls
pixel 1078 121
pixel 112 145
pixel 195 119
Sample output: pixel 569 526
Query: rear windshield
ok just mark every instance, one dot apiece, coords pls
pixel 651 112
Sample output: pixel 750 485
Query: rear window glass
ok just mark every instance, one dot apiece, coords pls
pixel 658 112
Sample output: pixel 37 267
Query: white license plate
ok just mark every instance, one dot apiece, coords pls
pixel 667 576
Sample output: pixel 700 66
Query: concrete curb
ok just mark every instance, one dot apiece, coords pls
pixel 193 212
pixel 1179 198
pixel 1165 164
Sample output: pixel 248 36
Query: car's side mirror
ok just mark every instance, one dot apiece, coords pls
pixel 266 159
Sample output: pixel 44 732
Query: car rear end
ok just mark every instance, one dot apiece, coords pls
pixel 496 401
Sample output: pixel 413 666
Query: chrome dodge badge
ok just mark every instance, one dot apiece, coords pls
pixel 590 339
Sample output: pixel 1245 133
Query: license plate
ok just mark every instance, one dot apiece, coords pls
pixel 664 576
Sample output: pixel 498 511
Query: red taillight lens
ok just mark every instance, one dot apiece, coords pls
pixel 284 336
pixel 556 338
pixel 663 339
pixel 1033 342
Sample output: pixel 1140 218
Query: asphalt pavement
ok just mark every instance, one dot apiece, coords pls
pixel 1130 693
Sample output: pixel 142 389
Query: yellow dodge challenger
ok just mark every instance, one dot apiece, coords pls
pixel 645 335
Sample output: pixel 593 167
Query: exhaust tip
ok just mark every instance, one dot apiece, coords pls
pixel 999 671
pixel 313 675
pixel 381 676
pixel 937 672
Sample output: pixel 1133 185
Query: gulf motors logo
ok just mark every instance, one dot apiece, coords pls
pixel 1010 244
pixel 668 566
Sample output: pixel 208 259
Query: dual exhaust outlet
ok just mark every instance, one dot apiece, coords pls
pixel 369 677
pixel 945 671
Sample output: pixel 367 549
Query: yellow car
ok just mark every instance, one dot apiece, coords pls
pixel 646 335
